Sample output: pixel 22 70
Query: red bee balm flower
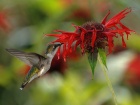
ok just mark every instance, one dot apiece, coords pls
pixel 91 36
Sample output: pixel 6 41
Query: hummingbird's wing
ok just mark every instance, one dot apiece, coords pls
pixel 28 58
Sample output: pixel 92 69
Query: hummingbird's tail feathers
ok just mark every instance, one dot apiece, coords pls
pixel 21 88
pixel 32 74
pixel 23 85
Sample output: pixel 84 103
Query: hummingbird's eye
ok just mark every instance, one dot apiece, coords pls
pixel 54 47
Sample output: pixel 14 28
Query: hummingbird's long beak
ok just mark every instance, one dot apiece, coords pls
pixel 59 44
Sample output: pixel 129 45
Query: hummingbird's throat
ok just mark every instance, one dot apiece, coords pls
pixel 49 55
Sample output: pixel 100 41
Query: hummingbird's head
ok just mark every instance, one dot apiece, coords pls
pixel 52 49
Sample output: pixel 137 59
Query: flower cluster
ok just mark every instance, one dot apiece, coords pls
pixel 91 35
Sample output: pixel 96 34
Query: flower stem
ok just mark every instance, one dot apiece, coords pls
pixel 107 79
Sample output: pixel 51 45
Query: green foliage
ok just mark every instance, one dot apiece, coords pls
pixel 103 56
pixel 92 58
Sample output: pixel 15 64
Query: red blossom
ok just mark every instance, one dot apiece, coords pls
pixel 132 74
pixel 91 35
pixel 58 64
pixel 4 24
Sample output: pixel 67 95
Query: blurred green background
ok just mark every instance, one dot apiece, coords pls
pixel 23 24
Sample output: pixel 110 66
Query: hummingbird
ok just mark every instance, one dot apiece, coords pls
pixel 39 64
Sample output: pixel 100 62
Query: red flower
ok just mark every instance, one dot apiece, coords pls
pixel 58 65
pixel 4 24
pixel 91 36
pixel 132 75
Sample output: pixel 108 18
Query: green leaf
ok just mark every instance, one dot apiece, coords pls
pixel 103 56
pixel 92 58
